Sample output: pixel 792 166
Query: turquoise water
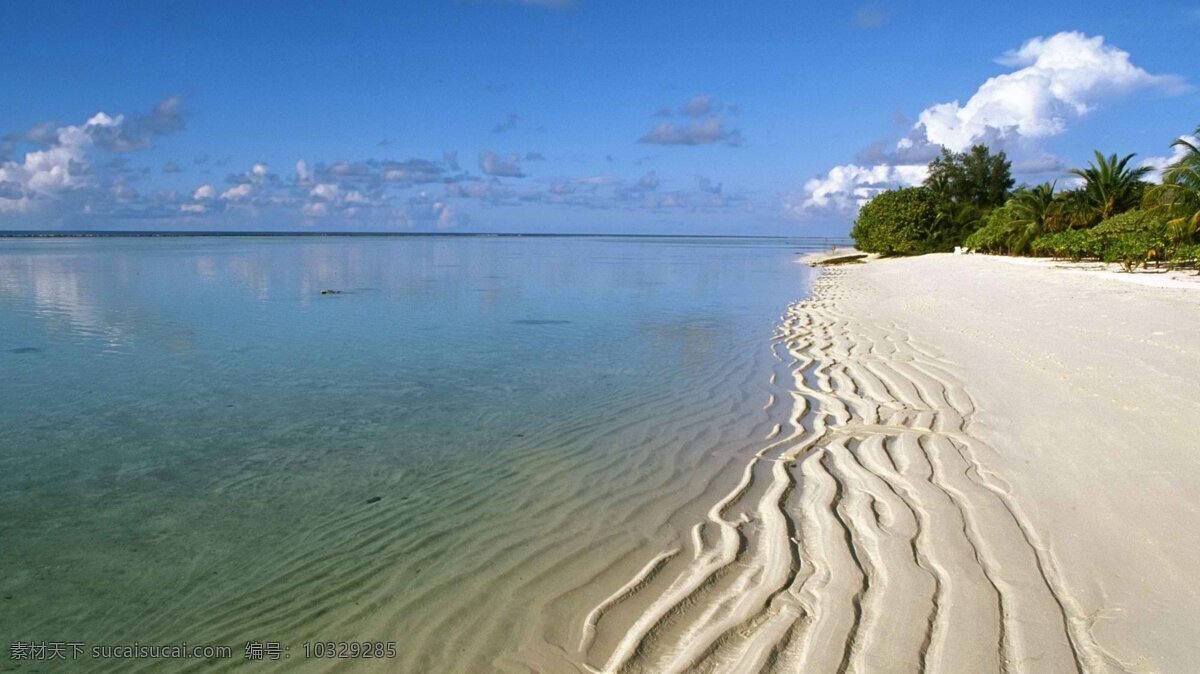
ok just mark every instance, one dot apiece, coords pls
pixel 458 449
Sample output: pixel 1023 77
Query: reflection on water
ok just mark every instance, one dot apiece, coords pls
pixel 196 442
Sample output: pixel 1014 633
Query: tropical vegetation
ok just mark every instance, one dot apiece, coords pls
pixel 898 222
pixel 1112 212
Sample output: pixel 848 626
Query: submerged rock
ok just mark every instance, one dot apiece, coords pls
pixel 375 499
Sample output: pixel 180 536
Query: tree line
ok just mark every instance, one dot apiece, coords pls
pixel 1114 214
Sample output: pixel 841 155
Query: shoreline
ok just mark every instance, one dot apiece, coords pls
pixel 1086 382
pixel 958 488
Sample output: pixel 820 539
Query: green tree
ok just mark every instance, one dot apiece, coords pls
pixel 1178 197
pixel 1111 185
pixel 975 177
pixel 1070 209
pixel 966 186
pixel 897 222
pixel 1001 230
pixel 1032 209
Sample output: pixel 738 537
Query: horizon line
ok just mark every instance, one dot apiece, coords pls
pixel 135 233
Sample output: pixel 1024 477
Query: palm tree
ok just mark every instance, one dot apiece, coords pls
pixel 1071 210
pixel 1033 209
pixel 1111 185
pixel 1178 197
pixel 953 219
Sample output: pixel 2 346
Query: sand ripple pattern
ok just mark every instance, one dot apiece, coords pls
pixel 866 536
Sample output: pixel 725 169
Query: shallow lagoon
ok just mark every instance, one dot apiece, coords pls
pixel 457 451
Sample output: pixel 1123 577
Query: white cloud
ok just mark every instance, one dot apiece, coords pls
pixel 1055 79
pixel 204 192
pixel 701 132
pixel 238 192
pixel 324 192
pixel 43 174
pixel 423 210
pixel 137 132
pixel 493 164
pixel 699 106
pixel 447 216
pixel 1160 164
pixel 193 208
pixel 304 174
pixel 315 209
pixel 60 162
pixel 846 188
pixel 1059 77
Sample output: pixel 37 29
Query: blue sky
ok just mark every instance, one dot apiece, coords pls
pixel 585 116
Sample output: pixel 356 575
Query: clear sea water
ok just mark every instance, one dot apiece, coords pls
pixel 458 450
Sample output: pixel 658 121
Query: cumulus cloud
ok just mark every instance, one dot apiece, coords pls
pixel 414 171
pixel 44 174
pixel 1039 162
pixel 238 192
pixel 493 164
pixel 1159 164
pixel 41 134
pixel 912 149
pixel 1058 78
pixel 138 132
pixel 86 171
pixel 324 192
pixel 1054 80
pixel 315 209
pixel 707 125
pixel 700 106
pixel 846 188
pixel 11 190
pixel 423 210
pixel 701 132
pixel 304 174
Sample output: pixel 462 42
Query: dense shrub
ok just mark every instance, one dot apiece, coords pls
pixel 1135 220
pixel 897 222
pixel 1001 232
pixel 1072 244
pixel 1186 255
pixel 1132 238
pixel 1133 249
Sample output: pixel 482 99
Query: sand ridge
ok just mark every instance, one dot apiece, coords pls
pixel 877 529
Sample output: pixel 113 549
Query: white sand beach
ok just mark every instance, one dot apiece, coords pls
pixel 990 466
pixel 1088 391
